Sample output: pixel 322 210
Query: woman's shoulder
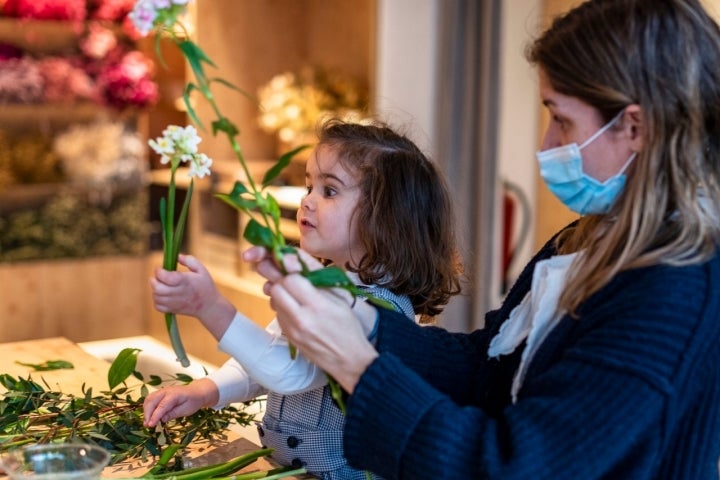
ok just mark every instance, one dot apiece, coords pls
pixel 654 319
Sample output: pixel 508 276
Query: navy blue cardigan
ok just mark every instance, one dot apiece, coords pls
pixel 630 390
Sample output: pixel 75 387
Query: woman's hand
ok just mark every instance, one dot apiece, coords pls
pixel 319 322
pixel 179 401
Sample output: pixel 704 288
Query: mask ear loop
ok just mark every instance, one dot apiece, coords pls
pixel 627 164
pixel 602 130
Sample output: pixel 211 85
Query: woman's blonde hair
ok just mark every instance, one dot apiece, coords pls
pixel 663 55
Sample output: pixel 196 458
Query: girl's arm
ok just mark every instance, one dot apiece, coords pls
pixel 265 355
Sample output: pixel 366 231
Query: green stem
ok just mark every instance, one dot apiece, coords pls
pixel 175 340
pixel 238 152
pixel 210 471
pixel 168 230
pixel 281 473
pixel 171 250
pixel 336 393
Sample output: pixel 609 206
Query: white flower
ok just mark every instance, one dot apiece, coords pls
pixel 200 165
pixel 180 145
pixel 162 146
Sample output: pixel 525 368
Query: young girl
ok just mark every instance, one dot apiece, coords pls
pixel 376 206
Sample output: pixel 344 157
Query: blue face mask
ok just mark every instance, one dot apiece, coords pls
pixel 561 169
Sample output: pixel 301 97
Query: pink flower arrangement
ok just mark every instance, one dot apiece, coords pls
pixel 128 82
pixel 105 70
pixel 20 81
pixel 65 82
pixel 110 10
pixel 73 10
pixel 98 41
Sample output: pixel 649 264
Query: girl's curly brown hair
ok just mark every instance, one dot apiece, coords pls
pixel 404 219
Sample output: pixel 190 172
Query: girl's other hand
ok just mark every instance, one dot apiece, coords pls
pixel 179 401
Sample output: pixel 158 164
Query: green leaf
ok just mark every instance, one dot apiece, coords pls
pixel 122 367
pixel 183 377
pixel 226 83
pixel 258 234
pixel 193 50
pixel 158 51
pixel 8 381
pixel 272 207
pixel 380 302
pixel 282 162
pixel 188 104
pixel 195 57
pixel 182 220
pixel 224 125
pixel 48 365
pixel 332 276
pixel 239 203
pixel 238 198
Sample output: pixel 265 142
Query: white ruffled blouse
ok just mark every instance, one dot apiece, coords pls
pixel 535 317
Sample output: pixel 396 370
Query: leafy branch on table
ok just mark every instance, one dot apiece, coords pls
pixel 31 412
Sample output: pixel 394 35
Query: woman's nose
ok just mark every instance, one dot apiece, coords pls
pixel 550 139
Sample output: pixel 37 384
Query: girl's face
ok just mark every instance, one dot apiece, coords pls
pixel 326 214
pixel 572 120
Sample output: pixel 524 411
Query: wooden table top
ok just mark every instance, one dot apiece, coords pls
pixel 92 372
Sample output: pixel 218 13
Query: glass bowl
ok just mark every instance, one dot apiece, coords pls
pixel 76 461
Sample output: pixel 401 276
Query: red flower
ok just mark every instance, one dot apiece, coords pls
pixel 128 83
pixel 110 10
pixel 48 9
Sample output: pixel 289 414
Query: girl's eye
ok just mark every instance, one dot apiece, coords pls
pixel 308 188
pixel 329 192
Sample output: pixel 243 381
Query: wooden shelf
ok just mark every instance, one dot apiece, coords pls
pixel 51 116
pixel 47 37
pixel 35 195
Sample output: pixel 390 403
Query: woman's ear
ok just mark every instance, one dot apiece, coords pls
pixel 633 125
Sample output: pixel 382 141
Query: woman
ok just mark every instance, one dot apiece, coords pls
pixel 604 360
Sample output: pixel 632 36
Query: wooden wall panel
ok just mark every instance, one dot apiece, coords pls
pixel 84 299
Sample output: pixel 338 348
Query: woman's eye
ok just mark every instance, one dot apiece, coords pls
pixel 560 122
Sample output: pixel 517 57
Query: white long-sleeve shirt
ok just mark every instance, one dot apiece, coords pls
pixel 260 358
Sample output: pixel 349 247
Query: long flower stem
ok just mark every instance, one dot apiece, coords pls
pixel 172 240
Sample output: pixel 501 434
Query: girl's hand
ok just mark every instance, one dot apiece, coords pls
pixel 192 293
pixel 188 292
pixel 179 401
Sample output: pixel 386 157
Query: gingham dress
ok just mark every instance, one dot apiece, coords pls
pixel 305 429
